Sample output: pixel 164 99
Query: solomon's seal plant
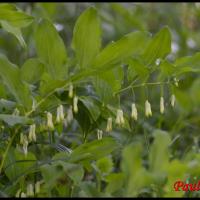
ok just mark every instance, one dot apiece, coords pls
pixel 66 127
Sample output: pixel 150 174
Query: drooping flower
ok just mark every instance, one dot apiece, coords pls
pixel 30 191
pixel 148 111
pixel 17 195
pixel 176 82
pixel 23 195
pixel 99 134
pixel 173 99
pixel 70 90
pixel 120 117
pixel 109 124
pixel 60 114
pixel 134 111
pixel 75 104
pixel 69 115
pixel 50 121
pixel 37 187
pixel 25 144
pixel 32 135
pixel 162 106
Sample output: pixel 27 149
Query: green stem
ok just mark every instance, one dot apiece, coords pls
pixel 7 149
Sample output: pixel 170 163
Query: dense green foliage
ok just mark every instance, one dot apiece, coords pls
pixel 99 100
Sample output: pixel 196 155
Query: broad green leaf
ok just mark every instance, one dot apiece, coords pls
pixel 136 67
pixel 87 37
pixel 10 74
pixel 12 120
pixel 159 154
pixel 167 68
pixel 17 163
pixel 15 31
pixel 136 175
pixel 188 64
pixel 159 47
pixel 94 150
pixel 32 70
pixel 15 17
pixel 115 52
pixel 105 165
pixel 51 49
pixel 6 104
pixel 91 105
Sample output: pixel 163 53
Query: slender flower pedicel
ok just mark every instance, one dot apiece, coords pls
pixel 50 121
pixel 109 124
pixel 75 104
pixel 162 107
pixel 70 90
pixel 134 111
pixel 173 99
pixel 148 111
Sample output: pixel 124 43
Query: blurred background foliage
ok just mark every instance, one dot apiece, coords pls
pixel 182 123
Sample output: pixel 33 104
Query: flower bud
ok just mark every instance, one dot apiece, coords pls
pixel 50 121
pixel 148 111
pixel 75 104
pixel 70 90
pixel 60 114
pixel 99 134
pixel 30 191
pixel 120 117
pixel 173 99
pixel 134 111
pixel 32 135
pixel 109 124
pixel 162 107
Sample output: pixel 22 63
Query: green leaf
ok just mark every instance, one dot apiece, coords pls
pixel 51 49
pixel 159 154
pixel 17 163
pixel 14 17
pixel 105 165
pixel 87 37
pixel 188 64
pixel 15 31
pixel 10 74
pixel 115 52
pixel 167 68
pixel 91 105
pixel 12 120
pixel 136 67
pixel 32 70
pixel 159 47
pixel 93 150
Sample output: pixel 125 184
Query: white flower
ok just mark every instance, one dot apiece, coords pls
pixel 173 99
pixel 120 117
pixel 75 104
pixel 148 111
pixel 99 134
pixel 34 105
pixel 37 187
pixel 32 135
pixel 17 195
pixel 23 195
pixel 134 111
pixel 176 82
pixel 30 191
pixel 162 106
pixel 25 145
pixel 70 90
pixel 16 112
pixel 109 124
pixel 69 114
pixel 60 114
pixel 50 121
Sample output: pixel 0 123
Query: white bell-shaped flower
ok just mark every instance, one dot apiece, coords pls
pixel 60 114
pixel 173 99
pixel 50 121
pixel 32 135
pixel 120 117
pixel 99 134
pixel 162 106
pixel 109 124
pixel 30 191
pixel 70 90
pixel 134 113
pixel 75 104
pixel 148 111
